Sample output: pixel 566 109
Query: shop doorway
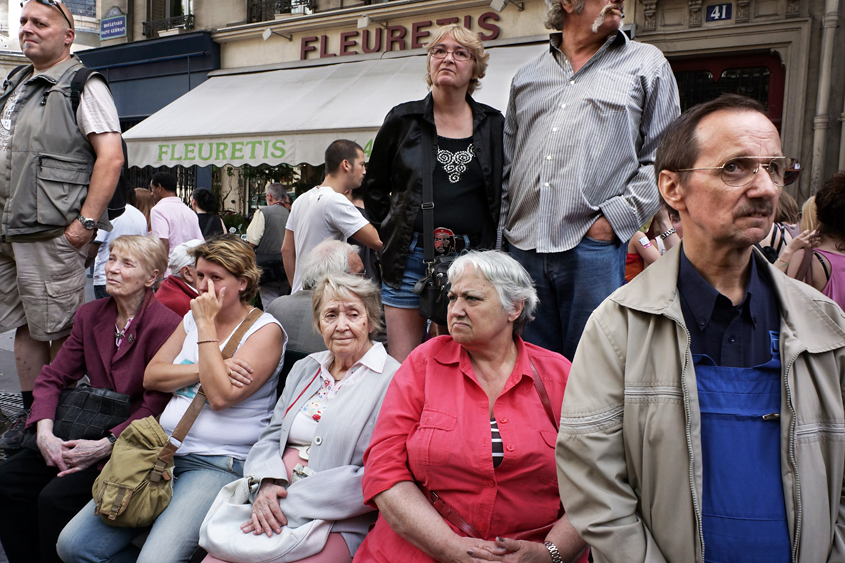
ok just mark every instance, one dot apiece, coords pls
pixel 760 76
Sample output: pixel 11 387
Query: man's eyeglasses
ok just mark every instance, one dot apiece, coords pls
pixel 55 4
pixel 458 54
pixel 740 171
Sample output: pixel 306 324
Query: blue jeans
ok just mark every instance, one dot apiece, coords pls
pixel 404 297
pixel 175 534
pixel 570 286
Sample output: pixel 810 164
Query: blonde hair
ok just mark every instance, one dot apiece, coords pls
pixel 347 286
pixel 809 220
pixel 148 249
pixel 236 256
pixel 470 41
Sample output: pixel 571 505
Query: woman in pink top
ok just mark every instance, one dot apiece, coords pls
pixel 829 256
pixel 462 462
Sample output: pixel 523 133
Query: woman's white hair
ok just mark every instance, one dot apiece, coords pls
pixel 513 284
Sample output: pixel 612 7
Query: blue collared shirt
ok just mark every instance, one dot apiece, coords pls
pixel 732 336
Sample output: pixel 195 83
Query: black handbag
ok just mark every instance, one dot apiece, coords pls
pixel 85 413
pixel 433 288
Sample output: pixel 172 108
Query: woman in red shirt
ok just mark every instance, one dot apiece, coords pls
pixel 464 428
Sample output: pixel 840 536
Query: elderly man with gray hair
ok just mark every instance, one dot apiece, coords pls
pixel 582 127
pixel 294 311
pixel 266 233
pixel 179 287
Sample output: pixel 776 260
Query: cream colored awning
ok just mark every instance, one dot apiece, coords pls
pixel 292 115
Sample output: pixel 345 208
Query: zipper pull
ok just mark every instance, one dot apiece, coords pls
pixel 772 416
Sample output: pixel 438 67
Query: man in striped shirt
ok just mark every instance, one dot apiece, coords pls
pixel 582 128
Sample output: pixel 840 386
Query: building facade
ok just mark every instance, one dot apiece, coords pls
pixel 781 52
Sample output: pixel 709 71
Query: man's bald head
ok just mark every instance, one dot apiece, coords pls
pixel 68 16
pixel 46 33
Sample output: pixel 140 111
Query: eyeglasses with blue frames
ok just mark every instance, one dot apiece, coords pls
pixel 458 54
pixel 55 4
pixel 740 171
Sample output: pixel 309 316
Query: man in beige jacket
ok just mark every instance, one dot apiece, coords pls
pixel 703 417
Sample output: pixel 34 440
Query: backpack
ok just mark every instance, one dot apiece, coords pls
pixel 117 205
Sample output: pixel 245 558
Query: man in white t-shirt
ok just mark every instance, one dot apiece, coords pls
pixel 324 212
pixel 58 171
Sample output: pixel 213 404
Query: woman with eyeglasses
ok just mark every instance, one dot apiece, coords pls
pixel 465 142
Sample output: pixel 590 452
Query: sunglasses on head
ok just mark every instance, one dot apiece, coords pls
pixel 55 4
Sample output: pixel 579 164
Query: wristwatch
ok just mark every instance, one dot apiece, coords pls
pixel 112 438
pixel 556 558
pixel 86 222
pixel 668 233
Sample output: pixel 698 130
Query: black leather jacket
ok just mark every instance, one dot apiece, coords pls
pixel 393 184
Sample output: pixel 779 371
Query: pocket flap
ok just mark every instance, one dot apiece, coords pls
pixel 438 420
pixel 68 172
pixel 549 437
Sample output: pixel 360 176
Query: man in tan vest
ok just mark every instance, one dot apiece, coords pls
pixel 59 171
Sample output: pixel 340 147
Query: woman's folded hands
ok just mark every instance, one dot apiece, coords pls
pixel 267 516
pixel 515 551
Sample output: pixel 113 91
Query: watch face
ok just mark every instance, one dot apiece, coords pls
pixel 87 223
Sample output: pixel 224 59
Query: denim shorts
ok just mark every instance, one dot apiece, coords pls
pixel 404 297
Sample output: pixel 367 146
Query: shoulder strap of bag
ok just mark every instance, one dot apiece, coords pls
pixel 779 230
pixel 447 511
pixel 450 515
pixel 209 224
pixel 198 403
pixel 427 206
pixel 805 272
pixel 544 396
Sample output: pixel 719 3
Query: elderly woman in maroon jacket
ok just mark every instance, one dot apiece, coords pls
pixel 112 341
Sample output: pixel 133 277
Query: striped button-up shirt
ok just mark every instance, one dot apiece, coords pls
pixel 582 144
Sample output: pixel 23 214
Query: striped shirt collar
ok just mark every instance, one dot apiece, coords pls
pixel 555 40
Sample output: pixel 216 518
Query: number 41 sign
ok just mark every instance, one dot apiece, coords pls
pixel 718 12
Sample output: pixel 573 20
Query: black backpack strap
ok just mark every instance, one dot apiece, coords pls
pixel 77 84
pixel 12 74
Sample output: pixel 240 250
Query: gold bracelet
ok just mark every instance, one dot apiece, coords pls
pixel 209 340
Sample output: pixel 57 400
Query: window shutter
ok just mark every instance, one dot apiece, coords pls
pixel 158 10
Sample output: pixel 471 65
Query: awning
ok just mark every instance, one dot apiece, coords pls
pixel 291 116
